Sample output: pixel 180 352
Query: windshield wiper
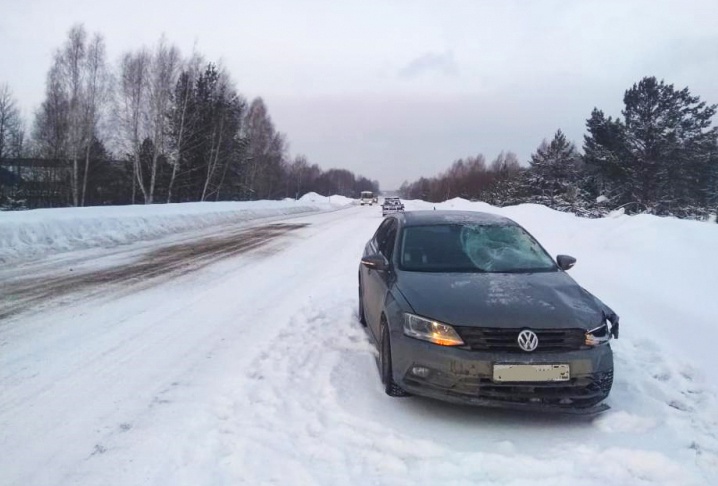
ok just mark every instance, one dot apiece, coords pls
pixel 445 270
pixel 457 270
pixel 525 270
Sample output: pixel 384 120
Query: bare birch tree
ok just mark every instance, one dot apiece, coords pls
pixel 132 98
pixel 51 120
pixel 296 172
pixel 265 152
pixel 222 98
pixel 10 122
pixel 51 135
pixel 183 117
pixel 258 130
pixel 162 77
pixel 95 97
pixel 71 62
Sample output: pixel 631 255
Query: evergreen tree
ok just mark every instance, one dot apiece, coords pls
pixel 554 172
pixel 607 158
pixel 662 156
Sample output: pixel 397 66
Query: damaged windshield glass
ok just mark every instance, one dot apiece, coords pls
pixel 472 248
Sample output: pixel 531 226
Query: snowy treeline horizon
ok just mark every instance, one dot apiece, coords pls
pixel 155 127
pixel 158 126
pixel 660 158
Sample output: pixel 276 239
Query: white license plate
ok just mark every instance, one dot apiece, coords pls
pixel 538 372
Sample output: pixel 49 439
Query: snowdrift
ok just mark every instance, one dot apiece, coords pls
pixel 31 234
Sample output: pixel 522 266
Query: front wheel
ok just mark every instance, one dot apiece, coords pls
pixel 385 364
pixel 362 316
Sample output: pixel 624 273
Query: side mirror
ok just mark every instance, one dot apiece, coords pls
pixel 375 262
pixel 565 262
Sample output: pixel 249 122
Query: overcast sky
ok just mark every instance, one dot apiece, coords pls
pixel 398 89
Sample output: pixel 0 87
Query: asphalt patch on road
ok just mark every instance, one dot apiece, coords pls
pixel 29 293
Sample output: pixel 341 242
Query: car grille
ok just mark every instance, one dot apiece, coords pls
pixel 576 392
pixel 582 391
pixel 505 340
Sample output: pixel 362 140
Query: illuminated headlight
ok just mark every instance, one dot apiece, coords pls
pixel 598 336
pixel 432 331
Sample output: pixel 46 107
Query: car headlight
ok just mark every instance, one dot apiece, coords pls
pixel 598 336
pixel 432 331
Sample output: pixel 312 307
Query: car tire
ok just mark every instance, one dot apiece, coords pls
pixel 362 316
pixel 385 364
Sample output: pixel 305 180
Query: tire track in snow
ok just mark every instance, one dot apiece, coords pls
pixel 25 293
pixel 676 398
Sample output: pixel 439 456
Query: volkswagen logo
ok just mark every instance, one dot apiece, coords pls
pixel 528 340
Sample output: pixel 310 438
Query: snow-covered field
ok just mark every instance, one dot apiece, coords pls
pixel 245 363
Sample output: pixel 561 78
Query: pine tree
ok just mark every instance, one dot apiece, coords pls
pixel 669 131
pixel 661 157
pixel 554 173
pixel 607 158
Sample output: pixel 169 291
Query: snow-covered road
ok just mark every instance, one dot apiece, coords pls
pixel 245 364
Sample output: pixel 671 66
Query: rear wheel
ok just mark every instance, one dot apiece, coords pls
pixel 385 365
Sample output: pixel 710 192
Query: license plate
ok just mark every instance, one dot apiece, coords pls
pixel 538 372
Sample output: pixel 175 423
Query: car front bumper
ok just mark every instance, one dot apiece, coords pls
pixel 466 376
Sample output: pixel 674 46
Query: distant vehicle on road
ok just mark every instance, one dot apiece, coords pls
pixel 391 205
pixel 367 197
pixel 468 307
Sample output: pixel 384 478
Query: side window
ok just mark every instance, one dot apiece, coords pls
pixel 380 235
pixel 385 245
pixel 390 239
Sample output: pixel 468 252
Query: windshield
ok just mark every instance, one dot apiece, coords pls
pixel 472 248
pixel 366 194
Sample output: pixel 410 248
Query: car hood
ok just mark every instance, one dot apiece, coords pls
pixel 544 300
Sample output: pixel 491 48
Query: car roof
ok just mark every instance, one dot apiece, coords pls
pixel 424 218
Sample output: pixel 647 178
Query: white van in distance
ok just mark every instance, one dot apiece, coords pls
pixel 367 197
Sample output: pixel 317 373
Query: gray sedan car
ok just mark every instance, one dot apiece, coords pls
pixel 468 307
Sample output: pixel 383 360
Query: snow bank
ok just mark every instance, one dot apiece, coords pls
pixel 313 197
pixel 31 234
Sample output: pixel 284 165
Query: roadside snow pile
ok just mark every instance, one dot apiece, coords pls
pixel 313 197
pixel 30 234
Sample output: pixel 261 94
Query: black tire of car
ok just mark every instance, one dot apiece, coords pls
pixel 362 317
pixel 385 363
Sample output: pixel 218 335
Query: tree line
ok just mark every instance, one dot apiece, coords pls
pixel 661 157
pixel 156 127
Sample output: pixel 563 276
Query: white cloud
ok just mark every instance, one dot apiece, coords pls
pixel 443 63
